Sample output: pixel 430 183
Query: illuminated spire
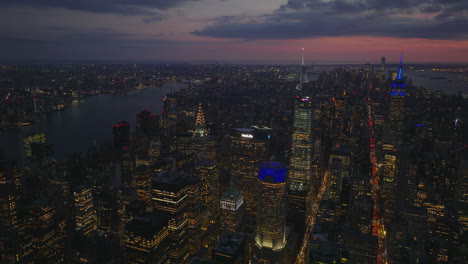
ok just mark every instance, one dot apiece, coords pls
pixel 302 56
pixel 303 74
pixel 398 85
pixel 200 125
pixel 400 69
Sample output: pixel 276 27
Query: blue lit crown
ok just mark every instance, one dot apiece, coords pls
pixel 399 85
pixel 272 172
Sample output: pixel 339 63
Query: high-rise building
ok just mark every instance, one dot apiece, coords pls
pixel 111 204
pixel 47 240
pixel 10 247
pixel 300 164
pixel 208 172
pixel 230 249
pixel 397 110
pixel 145 124
pixel 200 124
pixel 232 209
pixel 121 135
pixel 270 239
pixel 170 197
pixel 304 71
pixel 463 195
pixel 204 144
pixel 145 238
pixel 86 219
pixel 194 214
pixel 392 139
pixel 249 147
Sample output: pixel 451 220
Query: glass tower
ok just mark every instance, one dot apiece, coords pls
pixel 300 164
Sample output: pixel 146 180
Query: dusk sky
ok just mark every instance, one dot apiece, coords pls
pixel 234 30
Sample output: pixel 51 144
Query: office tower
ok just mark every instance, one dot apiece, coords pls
pixel 397 110
pixel 362 248
pixel 200 124
pixel 199 135
pixel 145 125
pixel 300 164
pixel 208 172
pixel 232 210
pixel 126 157
pixel 170 197
pixel 37 137
pixel 10 247
pixel 462 189
pixel 145 238
pixel 382 64
pixel 304 72
pixel 230 250
pixel 270 239
pixel 194 214
pixel 142 182
pixel 167 122
pixel 110 204
pixel 392 139
pixel 204 144
pixel 340 161
pixel 184 144
pixel 85 215
pixel 121 135
pixel 249 147
pixel 47 239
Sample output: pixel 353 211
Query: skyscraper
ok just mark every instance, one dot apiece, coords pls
pixel 86 219
pixel 170 197
pixel 270 239
pixel 392 139
pixel 145 124
pixel 304 72
pixel 397 110
pixel 204 144
pixel 47 239
pixel 232 209
pixel 300 165
pixel 9 241
pixel 200 125
pixel 145 239
pixel 121 135
pixel 249 147
pixel 208 172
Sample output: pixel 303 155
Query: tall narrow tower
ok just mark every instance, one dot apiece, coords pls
pixel 200 125
pixel 397 111
pixel 270 240
pixel 303 76
pixel 300 163
pixel 392 139
pixel 204 145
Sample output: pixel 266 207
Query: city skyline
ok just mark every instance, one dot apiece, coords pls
pixel 215 30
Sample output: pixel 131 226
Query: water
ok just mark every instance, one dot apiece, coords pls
pixel 449 82
pixel 86 123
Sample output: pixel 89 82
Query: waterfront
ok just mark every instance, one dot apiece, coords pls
pixel 86 123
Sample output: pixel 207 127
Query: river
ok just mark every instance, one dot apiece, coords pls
pixel 86 123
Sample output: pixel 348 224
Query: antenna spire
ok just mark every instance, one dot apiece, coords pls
pixel 400 69
pixel 302 56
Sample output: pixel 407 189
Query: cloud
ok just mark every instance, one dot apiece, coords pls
pixel 300 19
pixel 123 7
